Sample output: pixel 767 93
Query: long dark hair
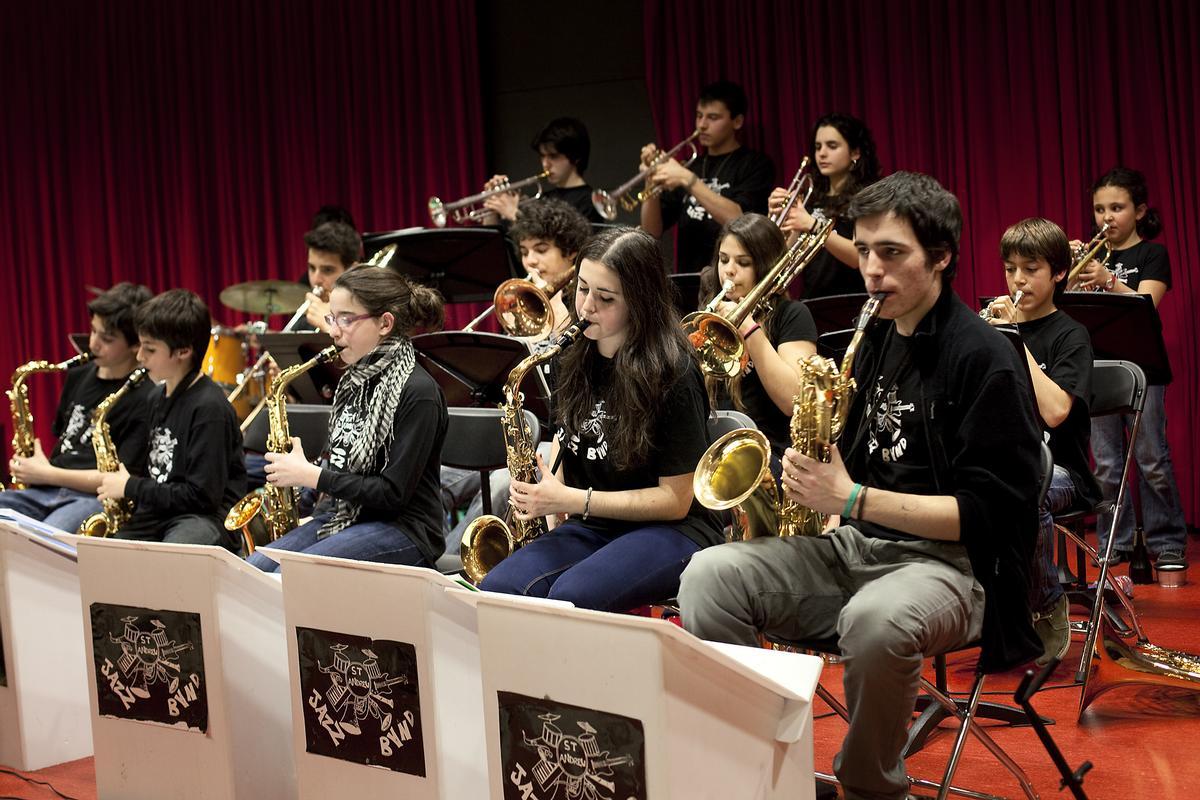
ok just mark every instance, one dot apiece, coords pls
pixel 1134 182
pixel 764 243
pixel 654 356
pixel 863 173
pixel 415 308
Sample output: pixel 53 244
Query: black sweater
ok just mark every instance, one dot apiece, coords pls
pixel 984 441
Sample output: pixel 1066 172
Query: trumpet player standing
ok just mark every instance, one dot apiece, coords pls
pixel 1058 351
pixel 62 488
pixel 563 148
pixel 937 497
pixel 727 181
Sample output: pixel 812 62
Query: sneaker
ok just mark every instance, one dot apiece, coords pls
pixel 1170 559
pixel 1054 629
pixel 1117 557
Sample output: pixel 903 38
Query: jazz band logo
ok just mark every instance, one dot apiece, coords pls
pixel 149 666
pixel 360 700
pixel 575 754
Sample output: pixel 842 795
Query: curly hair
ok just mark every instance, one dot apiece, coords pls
pixel 553 221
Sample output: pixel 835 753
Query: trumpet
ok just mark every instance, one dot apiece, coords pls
pixel 1086 253
pixel 470 209
pixel 606 202
pixel 802 182
pixel 522 306
pixel 986 312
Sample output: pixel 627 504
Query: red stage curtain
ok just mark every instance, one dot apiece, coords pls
pixel 188 144
pixel 1016 107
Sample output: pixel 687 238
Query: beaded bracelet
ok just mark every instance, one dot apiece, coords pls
pixel 587 503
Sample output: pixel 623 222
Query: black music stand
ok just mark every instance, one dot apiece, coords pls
pixel 464 264
pixel 472 367
pixel 1124 327
pixel 687 291
pixel 836 312
pixel 288 349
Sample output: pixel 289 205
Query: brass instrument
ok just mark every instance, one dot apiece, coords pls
pixel 737 465
pixel 606 202
pixel 802 183
pixel 113 513
pixel 267 513
pixel 985 313
pixel 488 540
pixel 522 306
pixel 718 343
pixel 1087 252
pixel 470 209
pixel 18 398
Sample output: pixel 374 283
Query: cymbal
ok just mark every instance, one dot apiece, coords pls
pixel 264 297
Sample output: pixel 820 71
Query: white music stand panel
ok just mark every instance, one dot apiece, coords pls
pixel 718 722
pixel 44 716
pixel 243 752
pixel 412 607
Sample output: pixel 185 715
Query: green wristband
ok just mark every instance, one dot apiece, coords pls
pixel 851 501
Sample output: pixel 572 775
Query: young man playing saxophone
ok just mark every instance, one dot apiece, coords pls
pixel 935 480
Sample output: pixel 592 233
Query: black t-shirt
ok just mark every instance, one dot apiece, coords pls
pixel 680 434
pixel 578 197
pixel 406 491
pixel 744 176
pixel 1063 351
pixel 793 323
pixel 84 390
pixel 1145 261
pixel 825 275
pixel 194 464
pixel 898 455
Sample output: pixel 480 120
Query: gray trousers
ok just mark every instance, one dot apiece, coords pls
pixel 890 604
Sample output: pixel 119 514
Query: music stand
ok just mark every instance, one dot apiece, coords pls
pixel 288 349
pixel 80 341
pixel 687 291
pixel 472 368
pixel 1123 327
pixel 836 312
pixel 464 264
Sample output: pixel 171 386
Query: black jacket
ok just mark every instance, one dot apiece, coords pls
pixel 984 442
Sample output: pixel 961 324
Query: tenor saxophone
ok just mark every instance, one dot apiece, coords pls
pixel 18 398
pixel 116 512
pixel 268 513
pixel 488 540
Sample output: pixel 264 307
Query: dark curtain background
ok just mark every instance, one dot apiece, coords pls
pixel 188 144
pixel 1016 107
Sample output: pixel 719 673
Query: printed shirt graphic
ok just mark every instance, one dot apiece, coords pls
pixel 78 433
pixel 698 212
pixel 595 448
pixel 162 454
pixel 347 427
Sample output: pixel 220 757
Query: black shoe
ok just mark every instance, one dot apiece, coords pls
pixel 1117 557
pixel 1170 559
pixel 826 791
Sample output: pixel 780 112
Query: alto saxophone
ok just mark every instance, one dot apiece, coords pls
pixel 113 513
pixel 488 540
pixel 268 513
pixel 819 414
pixel 18 398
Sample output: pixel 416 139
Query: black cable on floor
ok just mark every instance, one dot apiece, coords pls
pixel 27 779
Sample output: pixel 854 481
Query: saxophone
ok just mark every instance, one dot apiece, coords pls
pixel 18 398
pixel 268 513
pixel 735 471
pixel 113 513
pixel 488 540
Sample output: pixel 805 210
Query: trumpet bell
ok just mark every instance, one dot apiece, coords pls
pixel 719 346
pixel 604 204
pixel 485 543
pixel 731 469
pixel 437 212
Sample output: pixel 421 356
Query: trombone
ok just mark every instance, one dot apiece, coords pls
pixel 606 202
pixel 522 306
pixel 802 182
pixel 470 209
pixel 1088 252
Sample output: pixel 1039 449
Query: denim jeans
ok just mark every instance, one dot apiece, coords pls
pixel 1162 510
pixel 384 542
pixel 188 529
pixel 595 571
pixel 63 508
pixel 1044 588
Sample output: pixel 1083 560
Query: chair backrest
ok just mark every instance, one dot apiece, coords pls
pixel 308 421
pixel 1118 387
pixel 475 438
pixel 723 421
pixel 1047 472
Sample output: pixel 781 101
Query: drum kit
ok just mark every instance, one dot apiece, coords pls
pixel 228 357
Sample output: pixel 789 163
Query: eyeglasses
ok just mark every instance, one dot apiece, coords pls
pixel 344 321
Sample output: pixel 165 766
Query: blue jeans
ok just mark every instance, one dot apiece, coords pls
pixel 384 542
pixel 1162 510
pixel 1044 588
pixel 595 571
pixel 63 508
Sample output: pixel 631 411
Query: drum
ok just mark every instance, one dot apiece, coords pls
pixel 225 358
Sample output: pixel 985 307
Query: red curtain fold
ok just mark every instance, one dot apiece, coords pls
pixel 1016 107
pixel 188 144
